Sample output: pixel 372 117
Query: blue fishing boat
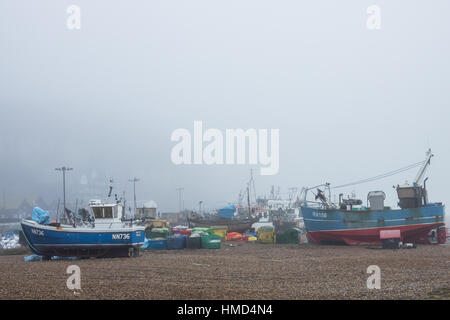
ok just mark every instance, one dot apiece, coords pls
pixel 107 234
pixel 350 222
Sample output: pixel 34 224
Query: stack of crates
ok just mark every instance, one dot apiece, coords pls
pixel 157 238
pixel 266 234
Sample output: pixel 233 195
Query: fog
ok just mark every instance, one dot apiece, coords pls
pixel 349 102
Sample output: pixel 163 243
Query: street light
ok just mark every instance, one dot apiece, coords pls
pixel 64 169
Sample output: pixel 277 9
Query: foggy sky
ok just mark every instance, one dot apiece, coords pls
pixel 350 102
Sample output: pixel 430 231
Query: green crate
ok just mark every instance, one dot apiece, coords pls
pixel 289 236
pixel 158 233
pixel 207 230
pixel 211 241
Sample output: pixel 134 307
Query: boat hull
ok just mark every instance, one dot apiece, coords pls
pixel 81 242
pixel 363 227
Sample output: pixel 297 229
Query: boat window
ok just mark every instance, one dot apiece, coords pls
pixel 97 212
pixel 115 212
pixel 108 212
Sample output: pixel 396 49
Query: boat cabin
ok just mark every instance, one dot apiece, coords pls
pixel 107 213
pixel 414 196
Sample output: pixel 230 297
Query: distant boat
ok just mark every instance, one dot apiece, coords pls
pixel 233 225
pixel 351 223
pixel 224 217
pixel 237 218
pixel 110 235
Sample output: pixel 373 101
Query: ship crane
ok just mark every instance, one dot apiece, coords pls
pixel 423 168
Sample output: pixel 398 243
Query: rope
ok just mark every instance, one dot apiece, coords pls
pixel 381 176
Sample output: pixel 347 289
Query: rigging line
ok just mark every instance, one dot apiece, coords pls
pixel 381 176
pixel 375 178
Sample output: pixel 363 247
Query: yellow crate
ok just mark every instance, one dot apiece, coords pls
pixel 266 236
pixel 220 231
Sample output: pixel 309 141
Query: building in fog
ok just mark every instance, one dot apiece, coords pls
pixel 148 209
pixel 16 214
pixel 175 218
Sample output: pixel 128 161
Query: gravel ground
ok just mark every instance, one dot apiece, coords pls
pixel 246 271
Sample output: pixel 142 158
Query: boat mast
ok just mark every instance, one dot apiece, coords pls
pixel 134 180
pixel 64 169
pixel 251 183
pixel 248 200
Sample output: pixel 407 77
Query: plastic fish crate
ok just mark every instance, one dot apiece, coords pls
pixel 266 236
pixel 211 241
pixel 157 244
pixel 176 242
pixel 158 234
pixel 287 238
pixel 193 243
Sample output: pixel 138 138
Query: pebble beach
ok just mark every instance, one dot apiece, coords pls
pixel 238 271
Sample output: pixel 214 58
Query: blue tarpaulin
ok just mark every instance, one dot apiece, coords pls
pixel 41 216
pixel 35 257
pixel 227 212
pixel 146 244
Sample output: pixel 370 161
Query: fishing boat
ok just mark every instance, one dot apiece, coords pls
pixel 352 223
pixel 108 234
pixel 224 217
